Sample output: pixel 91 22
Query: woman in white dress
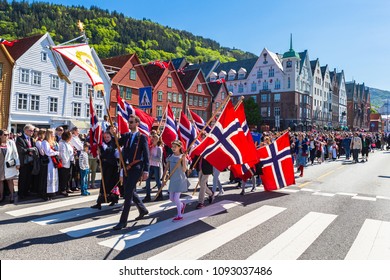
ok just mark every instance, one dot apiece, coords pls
pixel 48 147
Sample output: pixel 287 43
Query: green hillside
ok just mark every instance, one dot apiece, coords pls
pixel 110 33
pixel 379 97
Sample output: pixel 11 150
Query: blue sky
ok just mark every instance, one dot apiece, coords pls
pixel 349 35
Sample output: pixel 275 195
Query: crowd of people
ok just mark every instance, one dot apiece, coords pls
pixel 50 162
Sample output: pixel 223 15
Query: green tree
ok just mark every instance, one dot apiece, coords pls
pixel 252 111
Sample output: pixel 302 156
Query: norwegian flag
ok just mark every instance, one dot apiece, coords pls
pixel 278 169
pixel 220 81
pixel 7 43
pixel 247 170
pixel 95 131
pixel 199 122
pixel 161 64
pixel 181 71
pixel 187 131
pixel 169 133
pixel 124 110
pixel 226 144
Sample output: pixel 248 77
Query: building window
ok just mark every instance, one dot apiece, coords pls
pixel 121 91
pixel 191 100
pixel 271 72
pixel 24 76
pixel 254 97
pixel 289 83
pixel 276 111
pixel 174 97
pixel 253 87
pixel 277 84
pixel 222 95
pixel 240 88
pixel 195 100
pixel 217 104
pixel 205 102
pixel 180 98
pixel 159 111
pixel 87 107
pixel 264 98
pixel 230 88
pixel 241 76
pixel 1 71
pixel 36 78
pixel 277 97
pixel 44 56
pixel 89 90
pixel 200 101
pixel 99 94
pixel 22 101
pixel 264 111
pixel 76 110
pixel 55 82
pixel 159 95
pixel 265 85
pixel 199 88
pixel 133 74
pixel 77 89
pixel 231 77
pixel 34 103
pixel 99 111
pixel 259 74
pixel 169 82
pixel 129 93
pixel 169 96
pixel 53 104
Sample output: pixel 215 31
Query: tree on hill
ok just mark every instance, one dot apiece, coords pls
pixel 252 112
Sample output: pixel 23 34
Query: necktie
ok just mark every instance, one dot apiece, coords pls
pixel 28 142
pixel 132 138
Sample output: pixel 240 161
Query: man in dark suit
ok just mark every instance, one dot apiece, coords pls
pixel 25 144
pixel 136 158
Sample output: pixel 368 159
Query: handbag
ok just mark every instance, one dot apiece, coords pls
pixel 57 162
pixel 10 163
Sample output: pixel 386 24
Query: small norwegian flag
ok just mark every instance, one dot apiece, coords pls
pixel 169 133
pixel 161 64
pixel 220 81
pixel 95 132
pixel 7 43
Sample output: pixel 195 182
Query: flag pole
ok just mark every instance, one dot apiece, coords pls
pixel 115 136
pixel 239 102
pixel 103 183
pixel 162 117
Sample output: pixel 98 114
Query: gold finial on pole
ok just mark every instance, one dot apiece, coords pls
pixel 80 25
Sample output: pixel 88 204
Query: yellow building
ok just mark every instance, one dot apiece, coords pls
pixel 6 65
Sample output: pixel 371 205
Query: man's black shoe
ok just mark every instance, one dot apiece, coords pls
pixel 147 199
pixel 119 226
pixel 141 215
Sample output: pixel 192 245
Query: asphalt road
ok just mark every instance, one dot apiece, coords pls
pixel 332 213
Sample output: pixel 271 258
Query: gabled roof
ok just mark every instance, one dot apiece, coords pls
pixel 117 61
pixel 276 58
pixel 323 71
pixel 302 55
pixel 22 45
pixel 215 88
pixel 69 64
pixel 350 88
pixel 313 64
pixel 179 62
pixel 236 65
pixel 206 67
pixel 154 73
pixel 187 79
pixel 340 76
pixel 331 73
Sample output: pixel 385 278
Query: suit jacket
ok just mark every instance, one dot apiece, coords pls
pixel 22 147
pixel 128 150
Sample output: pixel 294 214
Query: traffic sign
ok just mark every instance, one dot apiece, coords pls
pixel 145 98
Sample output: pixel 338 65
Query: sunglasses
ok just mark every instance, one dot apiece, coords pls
pixel 131 121
pixel 5 134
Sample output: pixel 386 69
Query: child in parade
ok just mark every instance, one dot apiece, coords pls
pixel 84 169
pixel 178 180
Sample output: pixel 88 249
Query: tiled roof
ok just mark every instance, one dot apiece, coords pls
pixel 117 61
pixel 206 67
pixel 154 73
pixel 188 78
pixel 214 88
pixel 247 64
pixel 22 45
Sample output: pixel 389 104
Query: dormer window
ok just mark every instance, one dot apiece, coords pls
pixel 213 76
pixel 241 73
pixel 232 75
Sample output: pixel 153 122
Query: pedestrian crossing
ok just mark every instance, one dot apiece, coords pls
pixel 372 240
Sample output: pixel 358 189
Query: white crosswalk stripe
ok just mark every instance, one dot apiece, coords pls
pixel 133 238
pixel 293 242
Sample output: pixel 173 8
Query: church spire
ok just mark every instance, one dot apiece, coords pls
pixel 291 53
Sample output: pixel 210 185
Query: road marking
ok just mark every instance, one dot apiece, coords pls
pixel 304 184
pixel 294 241
pixel 324 194
pixel 372 242
pixel 287 190
pixel 214 238
pixel 368 198
pixel 326 174
pixel 135 237
pixel 107 223
pixel 341 167
pixel 308 190
pixel 51 205
pixel 382 197
pixel 347 194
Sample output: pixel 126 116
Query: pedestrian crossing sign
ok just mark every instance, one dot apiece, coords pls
pixel 145 98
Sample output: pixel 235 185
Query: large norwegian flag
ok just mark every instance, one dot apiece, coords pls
pixel 199 122
pixel 124 110
pixel 187 131
pixel 169 133
pixel 278 169
pixel 7 43
pixel 161 64
pixel 81 55
pixel 247 170
pixel 95 131
pixel 226 144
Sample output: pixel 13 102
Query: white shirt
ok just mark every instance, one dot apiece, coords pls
pixel 76 143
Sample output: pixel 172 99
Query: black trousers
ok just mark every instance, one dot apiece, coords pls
pixel 25 183
pixel 130 183
pixel 64 178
